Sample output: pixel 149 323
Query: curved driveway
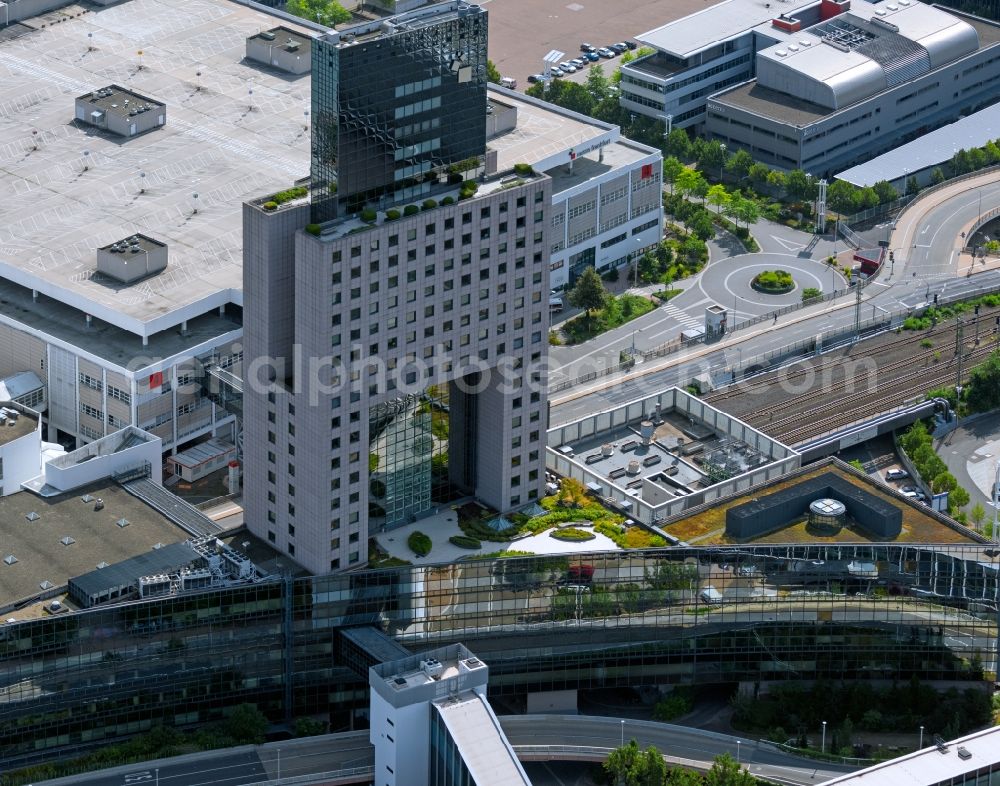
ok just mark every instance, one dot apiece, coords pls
pixel 534 737
pixel 925 240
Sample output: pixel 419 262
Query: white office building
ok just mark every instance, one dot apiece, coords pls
pixel 431 723
pixel 606 189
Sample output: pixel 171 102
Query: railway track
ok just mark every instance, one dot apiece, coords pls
pixel 803 425
pixel 943 336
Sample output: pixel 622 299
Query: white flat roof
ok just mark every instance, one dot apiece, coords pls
pixel 931 149
pixel 55 215
pixel 545 134
pixel 930 765
pixel 480 740
pixel 722 22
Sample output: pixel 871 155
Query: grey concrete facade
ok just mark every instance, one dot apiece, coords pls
pixel 357 318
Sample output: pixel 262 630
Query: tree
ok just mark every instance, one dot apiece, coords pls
pixel 945 481
pixel 726 772
pixel 937 176
pixel 246 724
pixel 325 12
pixel 654 768
pixel 679 144
pixel 867 197
pixel 671 169
pixel 885 192
pixel 576 97
pixel 718 196
pixel 843 197
pixel 977 514
pixel 800 187
pixel 758 174
pixel 739 164
pixel 747 211
pixel 958 498
pixel 912 185
pixel 776 180
pixel 983 390
pixel 621 762
pixel 688 181
pixel 597 83
pixel 588 293
pixel 701 225
pixel 712 156
pixel 492 73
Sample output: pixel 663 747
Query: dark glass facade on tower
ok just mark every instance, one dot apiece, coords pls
pixel 397 104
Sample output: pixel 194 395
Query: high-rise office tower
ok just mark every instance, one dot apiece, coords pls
pixel 396 322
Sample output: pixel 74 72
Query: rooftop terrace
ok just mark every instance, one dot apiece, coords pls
pixel 234 131
pixel 705 527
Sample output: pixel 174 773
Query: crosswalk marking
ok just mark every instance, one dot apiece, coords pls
pixel 683 317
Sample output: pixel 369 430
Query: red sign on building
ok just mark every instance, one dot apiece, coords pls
pixel 155 379
pixel 647 171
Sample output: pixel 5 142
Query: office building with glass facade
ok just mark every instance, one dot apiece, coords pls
pixel 395 355
pixel 397 103
pixel 782 612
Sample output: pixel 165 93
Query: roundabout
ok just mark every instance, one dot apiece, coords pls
pixel 731 282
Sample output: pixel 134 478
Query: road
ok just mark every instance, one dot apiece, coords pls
pixel 925 241
pixel 534 737
pixel 971 452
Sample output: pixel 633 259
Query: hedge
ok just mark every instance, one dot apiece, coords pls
pixel 571 534
pixel 313 229
pixel 391 215
pixel 419 543
pixel 411 210
pixel 429 204
pixel 368 215
pixel 465 542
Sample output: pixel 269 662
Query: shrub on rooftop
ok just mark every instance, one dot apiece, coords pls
pixel 313 229
pixel 411 210
pixel 368 215
pixel 392 215
pixel 429 204
pixel 270 205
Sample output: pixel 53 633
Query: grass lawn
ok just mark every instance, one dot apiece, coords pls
pixel 618 311
pixel 666 294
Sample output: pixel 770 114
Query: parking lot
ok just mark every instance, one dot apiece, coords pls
pixel 522 32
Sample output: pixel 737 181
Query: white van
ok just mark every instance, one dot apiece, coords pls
pixel 509 82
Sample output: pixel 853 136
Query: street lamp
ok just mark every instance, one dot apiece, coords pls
pixel 921 738
pixel 822 747
pixel 738 753
pixel 623 733
pixel 634 331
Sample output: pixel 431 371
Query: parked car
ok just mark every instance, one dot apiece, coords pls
pixel 568 67
pixel 896 474
pixel 555 303
pixel 619 48
pixel 536 78
pixel 556 72
pixel 579 62
pixel 593 57
pixel 631 44
pixel 509 82
pixel 587 47
pixel 605 52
